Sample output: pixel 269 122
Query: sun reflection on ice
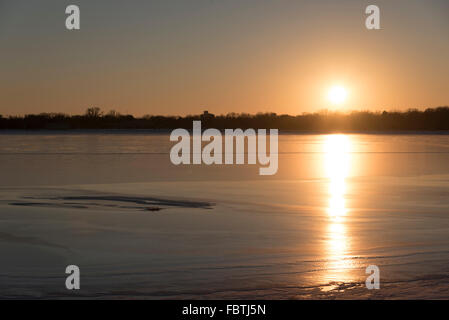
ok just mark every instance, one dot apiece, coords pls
pixel 337 165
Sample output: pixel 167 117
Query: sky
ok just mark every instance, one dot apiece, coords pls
pixel 181 57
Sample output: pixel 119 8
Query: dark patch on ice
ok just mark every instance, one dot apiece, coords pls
pixel 103 201
pixel 47 204
pixel 140 201
pixel 153 209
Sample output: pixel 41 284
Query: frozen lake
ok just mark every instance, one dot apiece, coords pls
pixel 140 227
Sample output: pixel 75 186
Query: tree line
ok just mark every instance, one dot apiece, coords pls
pixel 431 119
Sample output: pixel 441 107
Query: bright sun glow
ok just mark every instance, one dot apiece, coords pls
pixel 337 95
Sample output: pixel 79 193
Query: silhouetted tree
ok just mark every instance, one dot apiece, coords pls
pixel 93 112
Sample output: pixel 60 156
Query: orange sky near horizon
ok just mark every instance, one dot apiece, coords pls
pixel 184 57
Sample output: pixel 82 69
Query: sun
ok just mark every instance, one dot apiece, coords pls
pixel 337 95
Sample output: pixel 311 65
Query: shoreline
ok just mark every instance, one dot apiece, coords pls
pixel 168 131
